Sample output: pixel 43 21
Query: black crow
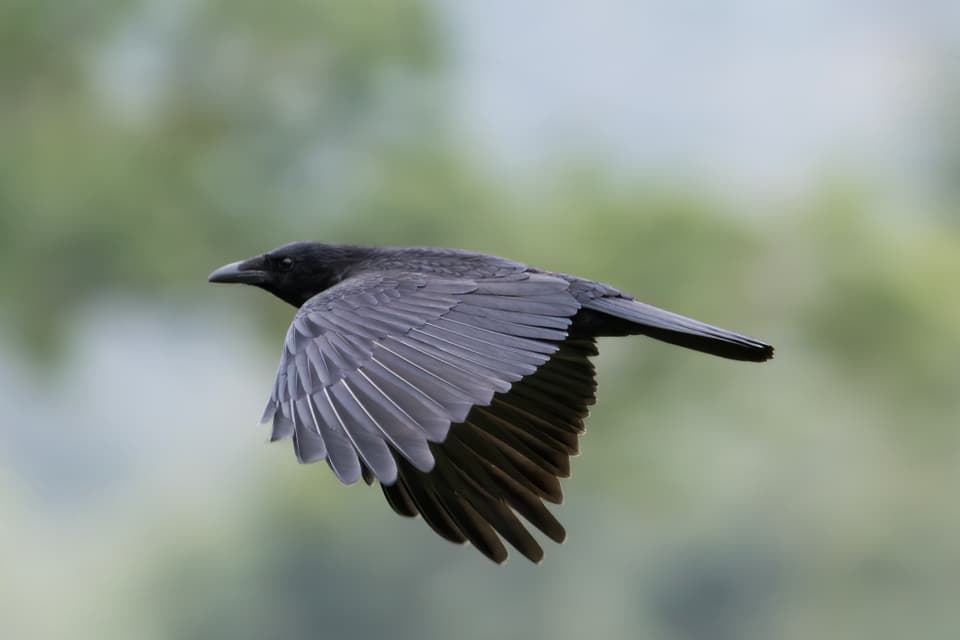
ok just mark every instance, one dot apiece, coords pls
pixel 459 381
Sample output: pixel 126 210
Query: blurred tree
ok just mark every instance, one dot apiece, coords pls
pixel 144 139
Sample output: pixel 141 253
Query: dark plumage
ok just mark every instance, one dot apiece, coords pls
pixel 459 381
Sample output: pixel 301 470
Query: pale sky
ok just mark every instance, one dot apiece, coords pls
pixel 750 93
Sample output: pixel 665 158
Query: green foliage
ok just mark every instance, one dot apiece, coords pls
pixel 256 112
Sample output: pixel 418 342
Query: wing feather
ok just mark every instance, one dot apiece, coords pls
pixel 373 371
pixel 312 446
pixel 362 431
pixel 341 453
pixel 429 413
pixel 458 373
pixel 498 345
pixel 504 461
pixel 401 431
pixel 430 383
pixel 531 319
pixel 497 367
pixel 501 326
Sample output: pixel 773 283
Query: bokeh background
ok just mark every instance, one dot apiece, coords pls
pixel 788 169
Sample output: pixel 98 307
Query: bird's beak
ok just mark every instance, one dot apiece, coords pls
pixel 246 272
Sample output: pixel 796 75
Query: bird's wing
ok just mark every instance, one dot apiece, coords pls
pixel 386 362
pixel 505 460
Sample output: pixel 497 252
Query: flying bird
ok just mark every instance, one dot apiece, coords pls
pixel 458 381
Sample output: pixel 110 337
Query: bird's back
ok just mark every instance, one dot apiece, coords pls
pixel 446 263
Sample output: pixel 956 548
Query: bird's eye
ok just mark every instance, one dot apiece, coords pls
pixel 285 264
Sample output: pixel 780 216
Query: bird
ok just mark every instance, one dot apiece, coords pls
pixel 458 381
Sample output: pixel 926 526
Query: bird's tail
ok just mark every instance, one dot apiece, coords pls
pixel 686 332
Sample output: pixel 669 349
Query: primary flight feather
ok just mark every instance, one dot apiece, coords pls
pixel 459 381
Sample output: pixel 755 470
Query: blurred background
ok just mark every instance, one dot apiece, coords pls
pixel 787 169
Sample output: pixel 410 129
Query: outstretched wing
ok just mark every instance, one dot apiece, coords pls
pixel 382 364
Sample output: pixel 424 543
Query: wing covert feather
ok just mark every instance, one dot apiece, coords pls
pixel 378 367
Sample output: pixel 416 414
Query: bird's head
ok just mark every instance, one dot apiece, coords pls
pixel 294 272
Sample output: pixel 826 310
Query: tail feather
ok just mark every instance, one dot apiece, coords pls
pixel 679 330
